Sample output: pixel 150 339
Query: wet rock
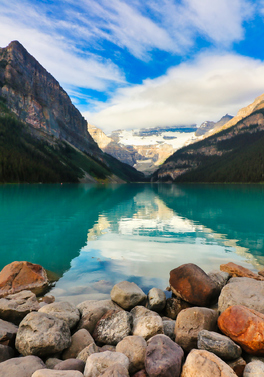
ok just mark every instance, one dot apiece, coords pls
pixel 57 373
pixel 42 334
pixel 146 323
pixel 63 310
pixel 201 363
pixel 127 295
pixel 87 351
pixel 134 347
pixel 238 271
pixel 97 363
pixel 8 333
pixel 15 307
pixel 20 276
pixel 156 300
pixel 21 366
pixel 254 369
pixel 174 305
pixel 242 291
pixel 113 327
pixel 190 322
pixel 51 362
pixel 71 364
pixel 238 366
pixel 245 327
pixel 6 353
pixel 80 340
pixel 168 328
pixel 163 357
pixel 192 284
pixel 220 278
pixel 116 370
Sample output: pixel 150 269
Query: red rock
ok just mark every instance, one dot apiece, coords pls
pixel 238 271
pixel 19 276
pixel 244 326
pixel 192 284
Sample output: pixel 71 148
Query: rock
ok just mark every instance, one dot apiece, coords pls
pixel 6 353
pixel 15 307
pixel 113 327
pixel 107 347
pixel 174 305
pixel 238 366
pixel 190 322
pixel 87 351
pixel 168 328
pixel 70 364
pixel 134 347
pixel 51 362
pixel 80 340
pixel 97 363
pixel 146 323
pixel 201 363
pixel 21 366
pixel 218 344
pixel 127 295
pixel 63 310
pixel 192 284
pixel 57 373
pixel 141 311
pixel 261 273
pixel 254 369
pixel 46 299
pixel 116 370
pixel 8 333
pixel 42 334
pixel 141 373
pixel 245 327
pixel 92 311
pixel 163 357
pixel 156 300
pixel 20 276
pixel 242 291
pixel 238 271
pixel 220 278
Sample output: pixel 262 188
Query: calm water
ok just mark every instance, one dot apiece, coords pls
pixel 95 236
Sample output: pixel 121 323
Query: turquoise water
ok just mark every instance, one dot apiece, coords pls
pixel 94 236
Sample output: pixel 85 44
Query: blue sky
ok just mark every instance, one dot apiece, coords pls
pixel 132 64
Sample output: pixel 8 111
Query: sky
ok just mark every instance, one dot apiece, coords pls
pixel 139 64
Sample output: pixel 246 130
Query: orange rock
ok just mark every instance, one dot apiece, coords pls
pixel 19 276
pixel 244 326
pixel 238 271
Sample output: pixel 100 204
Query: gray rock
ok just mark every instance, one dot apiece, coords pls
pixel 219 277
pixel 134 347
pixel 97 363
pixel 8 332
pixel 71 364
pixel 6 353
pixel 168 328
pixel 116 370
pixel 242 291
pixel 254 369
pixel 113 327
pixel 81 339
pixel 57 373
pixel 141 311
pixel 146 323
pixel 14 308
pixel 156 300
pixel 127 295
pixel 87 351
pixel 63 310
pixel 51 362
pixel 42 334
pixel 21 366
pixel 218 344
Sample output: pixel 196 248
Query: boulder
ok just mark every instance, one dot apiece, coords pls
pixel 97 363
pixel 146 323
pixel 220 278
pixel 190 322
pixel 242 291
pixel 201 363
pixel 41 334
pixel 134 347
pixel 245 327
pixel 192 284
pixel 15 307
pixel 156 300
pixel 235 270
pixel 127 295
pixel 80 340
pixel 57 373
pixel 21 366
pixel 163 357
pixel 238 366
pixel 70 364
pixel 87 351
pixel 116 370
pixel 174 305
pixel 8 333
pixel 20 276
pixel 113 327
pixel 63 310
pixel 168 328
pixel 254 369
pixel 218 344
pixel 51 362
pixel 6 353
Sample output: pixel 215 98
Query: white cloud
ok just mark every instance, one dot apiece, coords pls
pixel 205 89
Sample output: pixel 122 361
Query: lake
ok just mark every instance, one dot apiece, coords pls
pixel 93 236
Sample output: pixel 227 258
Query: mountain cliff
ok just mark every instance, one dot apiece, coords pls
pixel 209 126
pixel 32 100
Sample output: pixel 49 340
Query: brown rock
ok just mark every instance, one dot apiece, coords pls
pixel 174 305
pixel 192 284
pixel 81 339
pixel 8 333
pixel 116 370
pixel 21 366
pixel 70 364
pixel 141 373
pixel 87 351
pixel 6 353
pixel 244 326
pixel 238 271
pixel 238 366
pixel 20 276
pixel 134 347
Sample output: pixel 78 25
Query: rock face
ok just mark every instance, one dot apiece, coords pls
pixel 20 276
pixel 134 347
pixel 63 310
pixel 238 271
pixel 41 334
pixel 192 284
pixel 127 295
pixel 163 357
pixel 98 362
pixel 21 366
pixel 244 326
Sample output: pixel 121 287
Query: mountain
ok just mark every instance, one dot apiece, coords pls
pixel 208 126
pixel 43 129
pixel 233 152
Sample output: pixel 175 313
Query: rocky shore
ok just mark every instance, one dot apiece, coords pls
pixel 211 326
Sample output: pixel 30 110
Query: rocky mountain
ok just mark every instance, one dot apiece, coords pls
pixel 233 152
pixel 208 126
pixel 44 118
